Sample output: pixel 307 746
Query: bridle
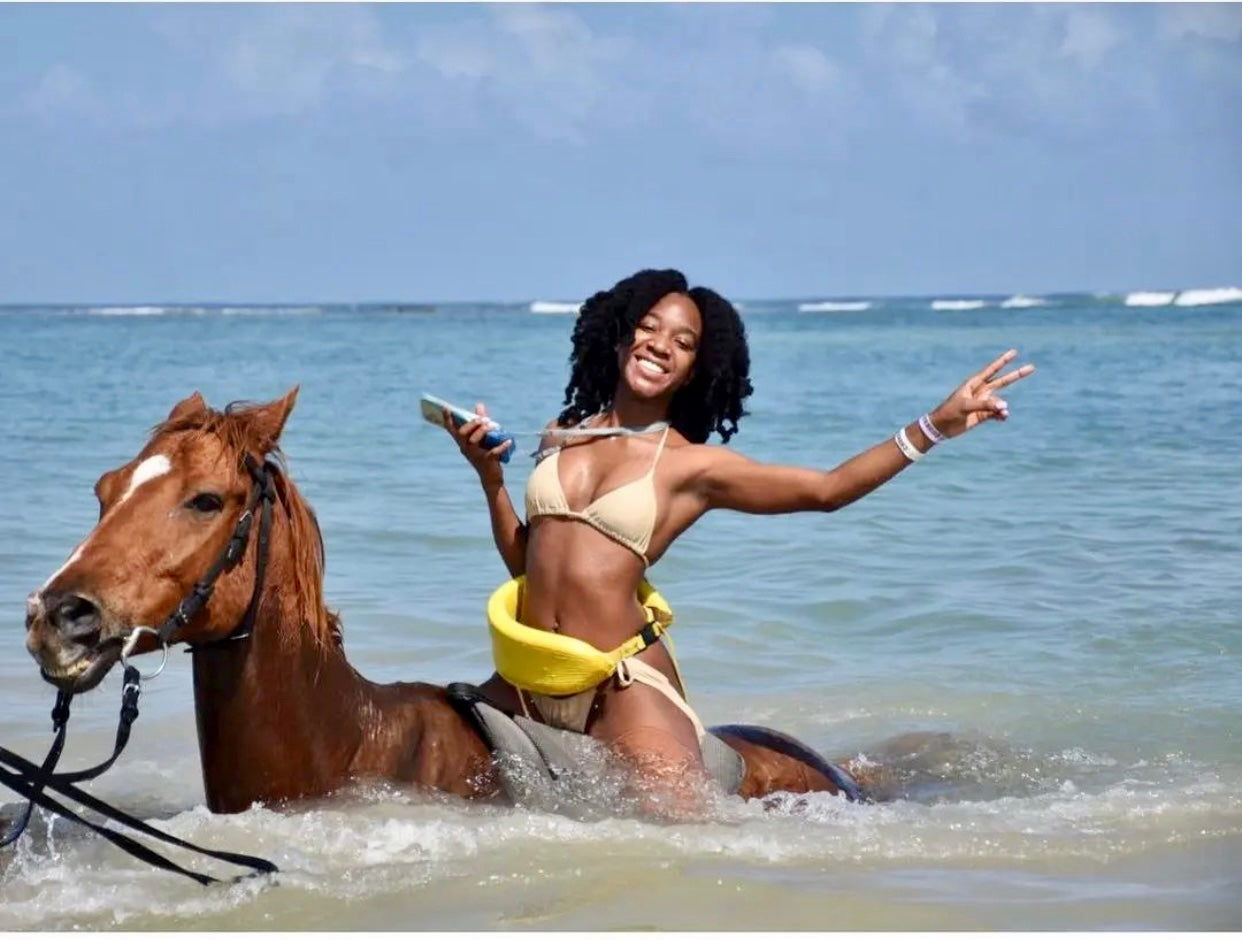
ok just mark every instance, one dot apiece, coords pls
pixel 262 496
pixel 30 780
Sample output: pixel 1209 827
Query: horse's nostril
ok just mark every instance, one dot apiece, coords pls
pixel 75 615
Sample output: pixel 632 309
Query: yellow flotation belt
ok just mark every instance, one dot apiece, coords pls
pixel 549 663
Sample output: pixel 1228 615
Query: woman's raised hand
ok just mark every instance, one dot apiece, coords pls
pixel 976 401
pixel 469 438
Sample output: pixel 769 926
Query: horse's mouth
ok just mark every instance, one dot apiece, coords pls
pixel 85 670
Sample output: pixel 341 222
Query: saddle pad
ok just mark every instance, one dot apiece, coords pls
pixel 562 771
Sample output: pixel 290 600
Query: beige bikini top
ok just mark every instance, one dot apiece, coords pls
pixel 627 515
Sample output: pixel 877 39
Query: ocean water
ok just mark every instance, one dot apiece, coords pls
pixel 1039 625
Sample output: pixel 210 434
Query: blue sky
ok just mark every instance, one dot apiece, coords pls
pixel 509 152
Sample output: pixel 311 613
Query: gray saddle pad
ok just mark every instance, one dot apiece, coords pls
pixel 563 771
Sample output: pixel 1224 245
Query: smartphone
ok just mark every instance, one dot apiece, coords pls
pixel 433 409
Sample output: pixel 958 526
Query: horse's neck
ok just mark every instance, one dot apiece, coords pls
pixel 280 713
pixel 273 710
pixel 283 715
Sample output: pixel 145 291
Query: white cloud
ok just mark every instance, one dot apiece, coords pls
pixel 808 68
pixel 1089 36
pixel 285 59
pixel 908 40
pixel 1063 68
pixel 242 61
pixel 62 90
pixel 564 74
pixel 1207 38
pixel 543 66
pixel 1213 21
pixel 457 57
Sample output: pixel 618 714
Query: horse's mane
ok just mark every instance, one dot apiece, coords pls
pixel 233 430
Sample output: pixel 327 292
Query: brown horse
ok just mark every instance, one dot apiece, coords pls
pixel 281 713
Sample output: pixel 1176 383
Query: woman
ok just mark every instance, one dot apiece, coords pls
pixel 656 368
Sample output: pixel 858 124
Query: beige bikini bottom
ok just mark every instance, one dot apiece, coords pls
pixel 571 712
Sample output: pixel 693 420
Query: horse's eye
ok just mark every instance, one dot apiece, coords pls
pixel 205 502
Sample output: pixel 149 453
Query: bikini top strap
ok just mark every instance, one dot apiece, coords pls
pixel 551 449
pixel 660 449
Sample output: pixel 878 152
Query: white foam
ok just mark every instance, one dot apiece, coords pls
pixel 363 850
pixel 1022 300
pixel 553 306
pixel 834 306
pixel 1203 296
pixel 1150 298
pixel 958 304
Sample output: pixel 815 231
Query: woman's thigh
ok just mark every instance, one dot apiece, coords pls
pixel 659 746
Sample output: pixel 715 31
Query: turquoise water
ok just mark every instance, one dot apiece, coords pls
pixel 1057 597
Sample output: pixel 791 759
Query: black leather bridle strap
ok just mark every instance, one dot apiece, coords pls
pixel 263 491
pixel 60 721
pixel 262 496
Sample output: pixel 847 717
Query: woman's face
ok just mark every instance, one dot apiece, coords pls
pixel 660 358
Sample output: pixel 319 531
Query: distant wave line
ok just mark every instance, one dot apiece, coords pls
pixel 1022 301
pixel 958 304
pixel 144 311
pixel 554 306
pixel 147 310
pixel 834 306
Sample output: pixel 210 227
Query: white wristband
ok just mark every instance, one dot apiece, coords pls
pixel 913 454
pixel 932 432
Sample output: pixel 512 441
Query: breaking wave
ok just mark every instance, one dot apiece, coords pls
pixel 1150 298
pixel 1021 301
pixel 1204 296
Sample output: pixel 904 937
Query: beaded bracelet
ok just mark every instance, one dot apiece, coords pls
pixel 932 432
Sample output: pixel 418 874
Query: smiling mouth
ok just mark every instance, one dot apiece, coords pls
pixel 650 367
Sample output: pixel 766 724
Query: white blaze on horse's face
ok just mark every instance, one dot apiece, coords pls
pixel 154 466
pixel 67 619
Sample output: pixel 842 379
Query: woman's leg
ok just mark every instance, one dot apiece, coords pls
pixel 659 746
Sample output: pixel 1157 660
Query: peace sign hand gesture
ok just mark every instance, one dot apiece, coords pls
pixel 975 400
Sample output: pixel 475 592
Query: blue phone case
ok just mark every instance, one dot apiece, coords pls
pixel 496 437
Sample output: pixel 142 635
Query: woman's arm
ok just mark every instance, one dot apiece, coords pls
pixel 728 480
pixel 507 529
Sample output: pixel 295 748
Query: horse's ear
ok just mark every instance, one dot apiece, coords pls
pixel 265 422
pixel 188 408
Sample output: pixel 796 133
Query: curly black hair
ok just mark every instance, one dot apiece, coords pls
pixel 710 401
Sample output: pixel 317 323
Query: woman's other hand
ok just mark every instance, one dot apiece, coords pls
pixel 976 400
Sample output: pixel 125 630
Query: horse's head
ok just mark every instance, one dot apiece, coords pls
pixel 164 518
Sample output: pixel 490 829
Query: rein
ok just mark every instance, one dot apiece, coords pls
pixel 30 780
